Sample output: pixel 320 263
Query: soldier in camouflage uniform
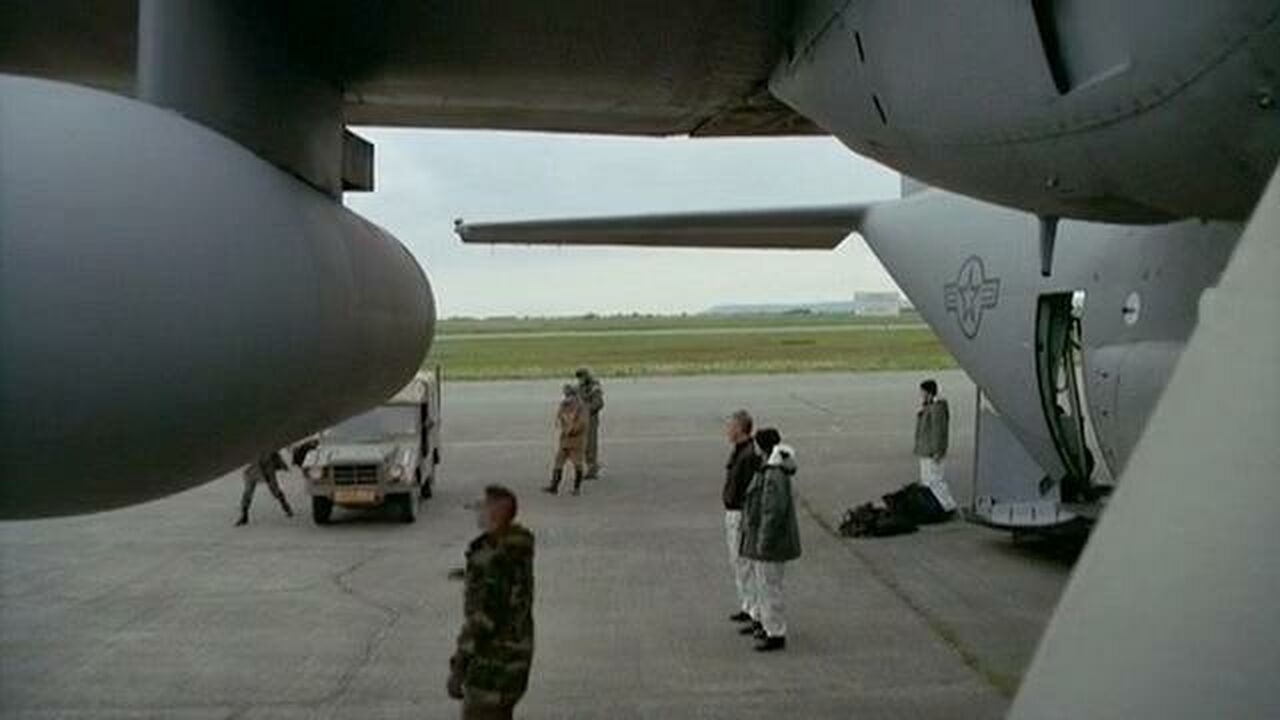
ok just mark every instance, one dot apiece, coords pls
pixel 592 395
pixel 263 470
pixel 571 426
pixel 490 670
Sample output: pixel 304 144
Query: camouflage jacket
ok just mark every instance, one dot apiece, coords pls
pixel 265 467
pixel 592 394
pixel 571 422
pixel 495 647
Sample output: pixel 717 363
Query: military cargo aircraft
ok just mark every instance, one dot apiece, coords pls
pixel 1070 364
pixel 171 240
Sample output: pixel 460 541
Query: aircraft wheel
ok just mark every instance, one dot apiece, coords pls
pixel 321 509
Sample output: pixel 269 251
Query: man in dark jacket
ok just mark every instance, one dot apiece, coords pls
pixel 932 436
pixel 771 534
pixel 489 672
pixel 263 470
pixel 739 470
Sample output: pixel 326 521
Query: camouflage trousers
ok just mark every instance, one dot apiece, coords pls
pixel 251 483
pixel 593 446
pixel 568 455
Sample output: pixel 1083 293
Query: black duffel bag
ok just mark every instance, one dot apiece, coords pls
pixel 867 520
pixel 916 504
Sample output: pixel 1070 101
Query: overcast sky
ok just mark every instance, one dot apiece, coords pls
pixel 427 178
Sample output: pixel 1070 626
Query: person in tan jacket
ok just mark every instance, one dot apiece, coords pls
pixel 572 423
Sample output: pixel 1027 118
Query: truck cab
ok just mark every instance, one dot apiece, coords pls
pixel 386 456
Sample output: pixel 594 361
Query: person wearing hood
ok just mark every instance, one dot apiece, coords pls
pixel 932 436
pixel 770 535
pixel 571 424
pixel 489 672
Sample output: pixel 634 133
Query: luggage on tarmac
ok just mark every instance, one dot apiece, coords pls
pixel 869 520
pixel 917 504
pixel 903 512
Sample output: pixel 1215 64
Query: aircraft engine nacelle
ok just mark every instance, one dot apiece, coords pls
pixel 171 305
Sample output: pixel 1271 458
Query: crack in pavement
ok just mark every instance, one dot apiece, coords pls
pixel 813 404
pixel 1002 683
pixel 371 646
pixel 373 643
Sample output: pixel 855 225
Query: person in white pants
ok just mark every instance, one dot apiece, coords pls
pixel 741 467
pixel 770 536
pixel 933 421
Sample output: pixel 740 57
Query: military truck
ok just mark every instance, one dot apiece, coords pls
pixel 387 456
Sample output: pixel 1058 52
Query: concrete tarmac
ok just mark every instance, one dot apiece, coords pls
pixel 167 611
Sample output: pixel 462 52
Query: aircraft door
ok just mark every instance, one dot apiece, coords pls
pixel 1058 374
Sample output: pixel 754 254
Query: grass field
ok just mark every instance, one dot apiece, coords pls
pixel 694 345
pixel 613 323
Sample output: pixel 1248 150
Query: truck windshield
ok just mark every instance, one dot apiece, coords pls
pixel 376 425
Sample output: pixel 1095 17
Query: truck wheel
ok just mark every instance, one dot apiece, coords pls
pixel 321 509
pixel 407 506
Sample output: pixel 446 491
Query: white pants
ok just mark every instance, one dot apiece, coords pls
pixel 743 573
pixel 931 476
pixel 769 597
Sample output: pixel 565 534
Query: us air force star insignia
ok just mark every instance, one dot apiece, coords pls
pixel 970 295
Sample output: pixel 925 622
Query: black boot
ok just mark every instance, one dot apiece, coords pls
pixel 554 487
pixel 740 617
pixel 751 629
pixel 770 644
pixel 244 518
pixel 288 511
pixel 577 482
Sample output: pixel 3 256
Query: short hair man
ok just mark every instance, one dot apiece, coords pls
pixel 592 395
pixel 489 672
pixel 739 470
pixel 571 422
pixel 933 420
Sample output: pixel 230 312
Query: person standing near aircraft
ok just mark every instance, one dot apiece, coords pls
pixel 572 425
pixel 592 395
pixel 263 470
pixel 771 535
pixel 489 672
pixel 932 435
pixel 740 469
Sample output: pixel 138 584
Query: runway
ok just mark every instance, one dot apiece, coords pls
pixel 167 611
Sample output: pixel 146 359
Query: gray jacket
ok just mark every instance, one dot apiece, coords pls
pixel 770 531
pixel 932 429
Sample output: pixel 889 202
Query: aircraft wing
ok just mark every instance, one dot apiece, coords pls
pixel 798 228
pixel 667 67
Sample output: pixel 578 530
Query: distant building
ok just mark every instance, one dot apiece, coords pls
pixel 877 303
